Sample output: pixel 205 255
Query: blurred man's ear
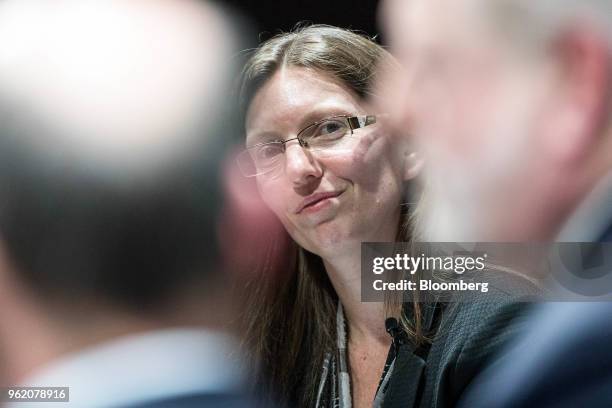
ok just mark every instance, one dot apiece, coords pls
pixel 580 111
pixel 20 331
pixel 247 227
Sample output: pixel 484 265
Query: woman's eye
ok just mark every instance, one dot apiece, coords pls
pixel 331 128
pixel 268 152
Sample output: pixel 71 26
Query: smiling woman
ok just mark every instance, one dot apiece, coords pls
pixel 328 168
pixel 334 177
pixel 328 199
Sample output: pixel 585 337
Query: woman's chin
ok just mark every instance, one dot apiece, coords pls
pixel 331 240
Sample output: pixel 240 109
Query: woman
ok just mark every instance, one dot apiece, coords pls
pixel 327 169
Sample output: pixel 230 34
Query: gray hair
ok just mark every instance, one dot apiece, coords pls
pixel 533 24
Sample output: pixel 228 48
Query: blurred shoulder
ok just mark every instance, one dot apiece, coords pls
pixel 493 315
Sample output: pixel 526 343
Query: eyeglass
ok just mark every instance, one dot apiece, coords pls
pixel 327 136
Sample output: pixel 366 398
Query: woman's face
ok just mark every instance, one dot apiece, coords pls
pixel 327 202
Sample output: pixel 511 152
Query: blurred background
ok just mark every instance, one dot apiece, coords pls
pixel 269 17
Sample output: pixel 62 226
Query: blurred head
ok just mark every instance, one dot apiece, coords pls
pixel 509 101
pixel 342 182
pixel 110 142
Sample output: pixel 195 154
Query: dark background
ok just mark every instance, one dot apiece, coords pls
pixel 270 17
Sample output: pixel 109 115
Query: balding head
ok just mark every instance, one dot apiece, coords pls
pixel 113 125
pixel 121 86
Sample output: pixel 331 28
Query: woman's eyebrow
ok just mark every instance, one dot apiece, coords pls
pixel 323 113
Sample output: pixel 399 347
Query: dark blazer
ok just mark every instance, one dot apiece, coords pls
pixel 467 337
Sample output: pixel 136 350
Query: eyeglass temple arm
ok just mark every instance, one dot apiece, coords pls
pixel 357 122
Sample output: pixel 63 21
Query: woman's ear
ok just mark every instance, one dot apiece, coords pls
pixel 413 163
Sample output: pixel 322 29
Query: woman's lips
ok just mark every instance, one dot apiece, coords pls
pixel 314 199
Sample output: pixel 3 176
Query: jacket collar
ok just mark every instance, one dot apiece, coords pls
pixel 405 385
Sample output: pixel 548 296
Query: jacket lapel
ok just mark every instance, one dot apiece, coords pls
pixel 406 382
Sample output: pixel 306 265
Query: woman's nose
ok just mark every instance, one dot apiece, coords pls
pixel 300 164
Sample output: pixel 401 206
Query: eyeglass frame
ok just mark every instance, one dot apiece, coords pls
pixel 353 121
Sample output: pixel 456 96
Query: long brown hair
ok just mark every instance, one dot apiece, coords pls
pixel 290 317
